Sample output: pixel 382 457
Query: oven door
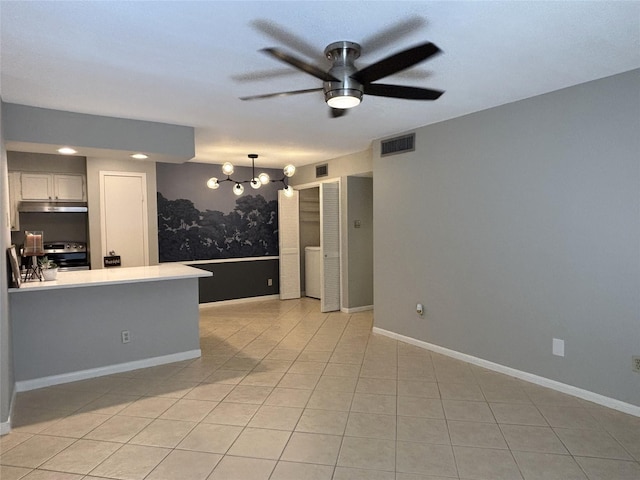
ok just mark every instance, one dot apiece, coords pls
pixel 70 261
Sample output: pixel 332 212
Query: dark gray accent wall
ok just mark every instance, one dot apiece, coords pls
pixel 516 225
pixel 242 279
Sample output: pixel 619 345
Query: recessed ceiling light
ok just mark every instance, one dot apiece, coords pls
pixel 67 151
pixel 139 156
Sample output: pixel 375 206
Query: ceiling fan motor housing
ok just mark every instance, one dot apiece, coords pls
pixel 342 54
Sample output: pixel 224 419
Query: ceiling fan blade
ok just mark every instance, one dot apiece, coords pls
pixel 263 75
pixel 401 91
pixel 395 63
pixel 300 64
pixel 337 112
pixel 281 94
pixel 391 34
pixel 414 74
pixel 289 39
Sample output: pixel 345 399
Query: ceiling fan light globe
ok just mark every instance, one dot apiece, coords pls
pixel 255 183
pixel 212 183
pixel 238 189
pixel 227 168
pixel 264 178
pixel 289 170
pixel 343 98
pixel 343 102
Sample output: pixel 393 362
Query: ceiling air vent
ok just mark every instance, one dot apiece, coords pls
pixel 322 170
pixel 394 146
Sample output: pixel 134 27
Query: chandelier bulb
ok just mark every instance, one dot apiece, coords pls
pixel 255 183
pixel 288 191
pixel 227 168
pixel 212 183
pixel 289 170
pixel 264 178
pixel 238 189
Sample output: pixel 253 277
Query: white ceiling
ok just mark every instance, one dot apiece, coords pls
pixel 182 62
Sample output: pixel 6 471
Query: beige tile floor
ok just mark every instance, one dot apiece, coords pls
pixel 284 392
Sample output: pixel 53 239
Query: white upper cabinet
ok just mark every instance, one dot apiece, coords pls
pixel 37 186
pixel 55 187
pixel 68 187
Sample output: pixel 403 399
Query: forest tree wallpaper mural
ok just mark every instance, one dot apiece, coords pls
pixel 197 223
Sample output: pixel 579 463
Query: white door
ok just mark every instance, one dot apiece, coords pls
pixel 123 202
pixel 330 247
pixel 289 245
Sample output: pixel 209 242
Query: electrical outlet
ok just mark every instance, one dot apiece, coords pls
pixel 269 282
pixel 558 347
pixel 636 364
pixel 126 336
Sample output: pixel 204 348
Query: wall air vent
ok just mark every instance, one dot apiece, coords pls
pixel 394 146
pixel 322 170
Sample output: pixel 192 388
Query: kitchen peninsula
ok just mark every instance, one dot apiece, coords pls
pixel 76 326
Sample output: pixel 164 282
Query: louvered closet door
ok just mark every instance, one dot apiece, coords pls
pixel 289 245
pixel 330 246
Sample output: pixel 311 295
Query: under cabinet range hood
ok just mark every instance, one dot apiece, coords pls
pixel 74 207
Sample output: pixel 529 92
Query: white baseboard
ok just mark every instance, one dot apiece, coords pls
pixel 357 309
pixel 26 385
pixel 241 300
pixel 5 427
pixel 529 377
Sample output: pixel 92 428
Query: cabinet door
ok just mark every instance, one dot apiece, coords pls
pixel 37 186
pixel 68 187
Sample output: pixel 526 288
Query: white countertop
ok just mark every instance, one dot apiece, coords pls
pixel 114 275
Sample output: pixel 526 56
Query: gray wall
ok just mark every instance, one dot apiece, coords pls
pixel 72 329
pixel 6 360
pixel 352 164
pixel 359 242
pixel 516 225
pixel 46 163
pixel 94 167
pixel 30 127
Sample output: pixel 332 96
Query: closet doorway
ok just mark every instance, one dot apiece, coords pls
pixel 317 221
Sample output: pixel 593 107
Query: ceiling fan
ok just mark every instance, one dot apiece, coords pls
pixel 344 85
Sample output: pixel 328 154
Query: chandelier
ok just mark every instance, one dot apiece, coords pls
pixel 256 181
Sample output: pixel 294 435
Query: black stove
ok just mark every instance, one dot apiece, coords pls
pixel 68 255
